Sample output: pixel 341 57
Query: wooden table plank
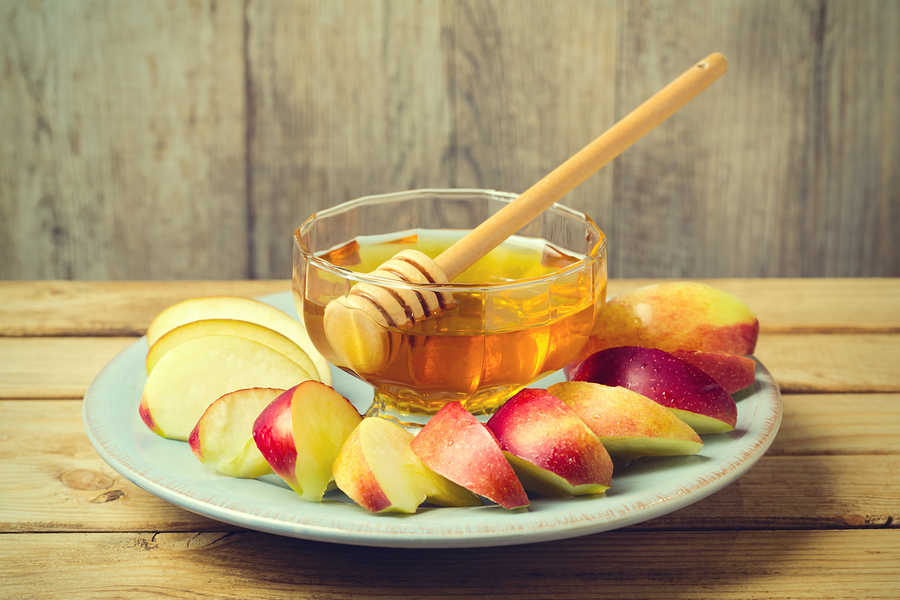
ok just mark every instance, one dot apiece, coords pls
pixel 51 480
pixel 56 308
pixel 105 308
pixel 719 564
pixel 832 362
pixel 64 367
pixel 838 424
pixel 54 367
pixel 817 517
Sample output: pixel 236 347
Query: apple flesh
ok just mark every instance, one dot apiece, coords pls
pixel 377 469
pixel 245 329
pixel 458 446
pixel 241 309
pixel 692 395
pixel 192 375
pixel 223 437
pixel 628 424
pixel 676 315
pixel 300 434
pixel 549 447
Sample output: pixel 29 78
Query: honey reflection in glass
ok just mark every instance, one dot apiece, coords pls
pixel 523 311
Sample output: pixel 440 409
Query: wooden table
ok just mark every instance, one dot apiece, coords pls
pixel 814 518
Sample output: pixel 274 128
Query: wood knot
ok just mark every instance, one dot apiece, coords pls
pixel 82 479
pixel 109 496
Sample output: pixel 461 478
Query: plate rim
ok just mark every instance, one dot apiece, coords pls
pixel 394 530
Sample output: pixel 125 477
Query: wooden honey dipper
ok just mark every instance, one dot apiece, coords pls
pixel 358 326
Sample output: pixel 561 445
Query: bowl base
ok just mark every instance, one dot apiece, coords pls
pixel 384 406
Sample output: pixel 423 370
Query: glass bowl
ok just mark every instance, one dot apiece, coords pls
pixel 522 312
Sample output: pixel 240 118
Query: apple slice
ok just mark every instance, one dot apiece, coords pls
pixel 223 437
pixel 378 470
pixel 300 434
pixel 244 329
pixel 549 447
pixel 240 309
pixel 731 371
pixel 675 315
pixel 192 375
pixel 691 394
pixel 628 424
pixel 458 446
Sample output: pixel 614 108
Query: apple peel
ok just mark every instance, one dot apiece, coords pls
pixel 550 448
pixel 458 446
pixel 300 434
pixel 691 394
pixel 377 469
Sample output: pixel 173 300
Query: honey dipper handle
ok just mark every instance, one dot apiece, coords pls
pixel 507 221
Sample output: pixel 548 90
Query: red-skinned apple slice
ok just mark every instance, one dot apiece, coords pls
pixel 301 432
pixel 691 394
pixel 628 424
pixel 675 315
pixel 223 437
pixel 193 374
pixel 731 371
pixel 549 447
pixel 456 445
pixel 377 469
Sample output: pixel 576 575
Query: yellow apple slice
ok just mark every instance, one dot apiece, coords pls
pixel 378 470
pixel 241 309
pixel 192 375
pixel 628 424
pixel 244 329
pixel 223 437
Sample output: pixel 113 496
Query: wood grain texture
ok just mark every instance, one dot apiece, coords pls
pixel 532 86
pixel 122 152
pixel 816 517
pixel 52 479
pixel 817 475
pixel 848 424
pixel 64 367
pixel 54 367
pixel 346 99
pixel 173 140
pixel 832 362
pixel 82 308
pixel 694 200
pixel 815 564
pixel 98 308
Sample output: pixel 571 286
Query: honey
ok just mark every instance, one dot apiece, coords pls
pixel 510 323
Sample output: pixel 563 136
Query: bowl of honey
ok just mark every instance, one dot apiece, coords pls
pixel 522 311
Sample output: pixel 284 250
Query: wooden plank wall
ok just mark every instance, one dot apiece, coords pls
pixel 166 139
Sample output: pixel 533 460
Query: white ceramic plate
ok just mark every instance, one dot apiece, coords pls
pixel 643 491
